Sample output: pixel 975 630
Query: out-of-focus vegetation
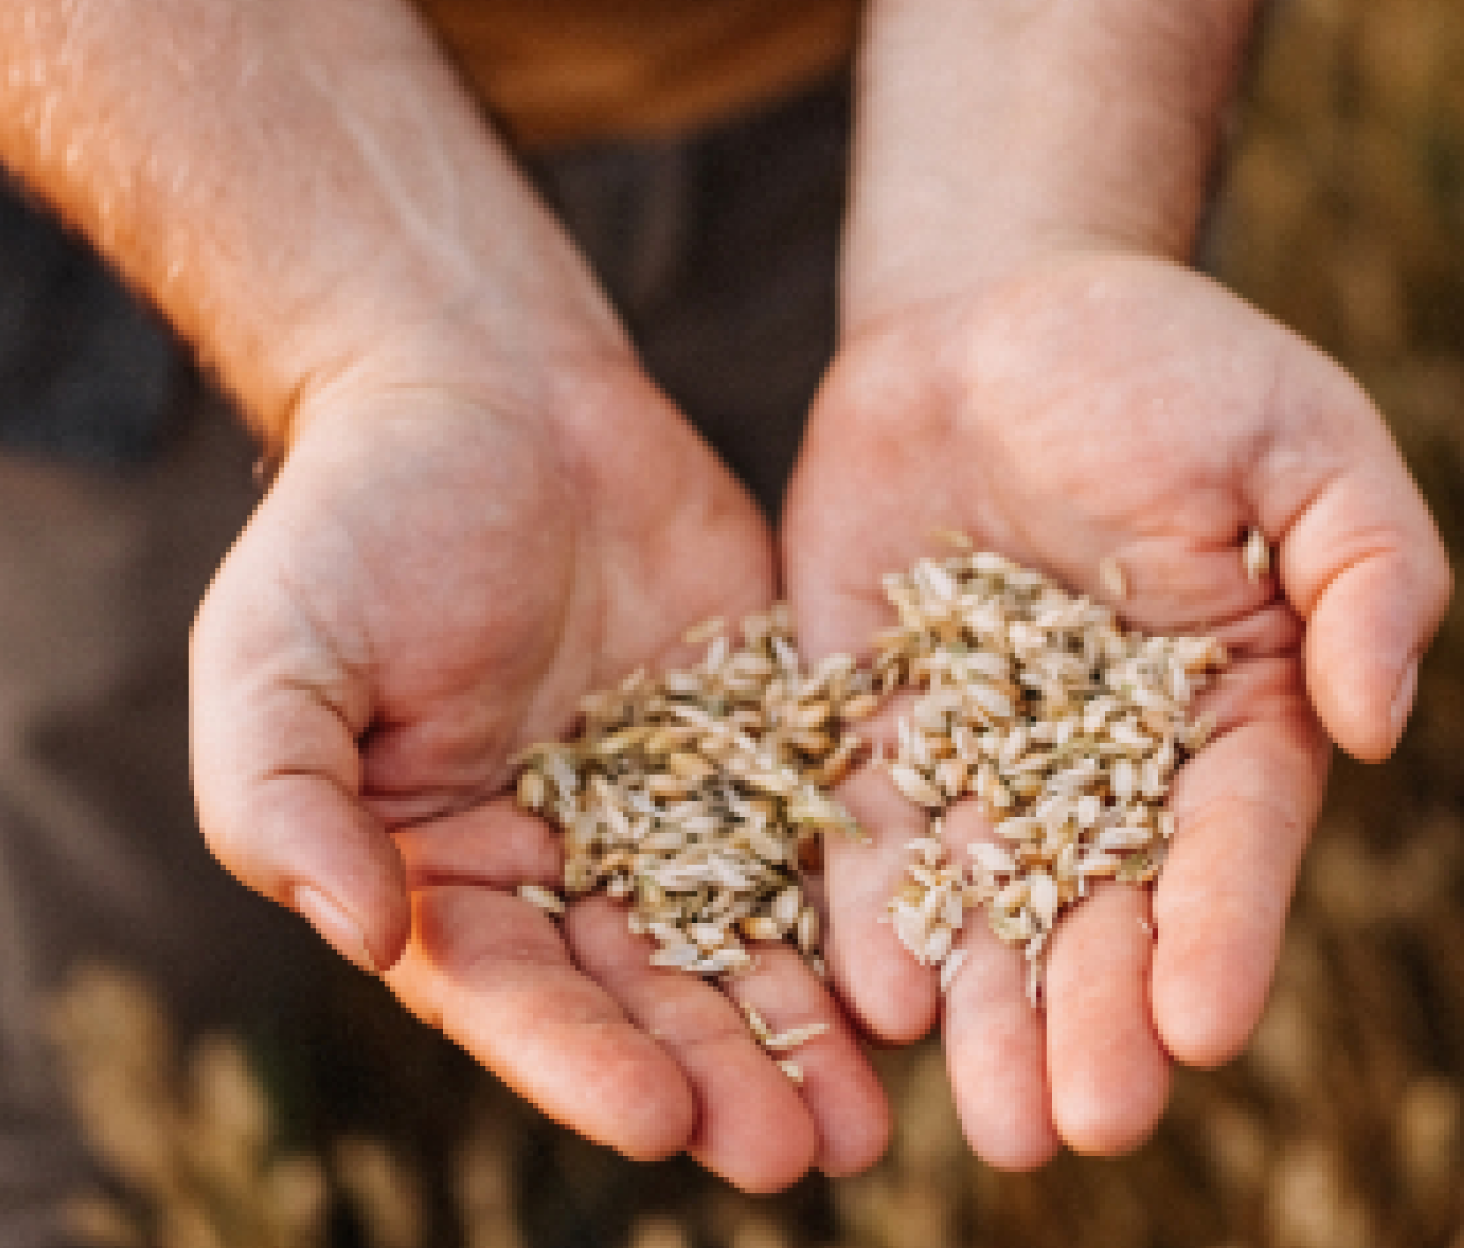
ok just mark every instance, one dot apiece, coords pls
pixel 1342 1126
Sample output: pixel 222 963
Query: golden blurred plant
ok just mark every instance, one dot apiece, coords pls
pixel 191 1140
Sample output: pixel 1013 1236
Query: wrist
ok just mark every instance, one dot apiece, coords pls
pixel 475 333
pixel 990 135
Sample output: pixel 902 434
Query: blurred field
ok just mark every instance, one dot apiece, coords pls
pixel 1342 1127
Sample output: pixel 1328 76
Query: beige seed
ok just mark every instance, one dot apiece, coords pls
pixel 537 895
pixel 860 706
pixel 808 930
pixel 950 967
pixel 915 786
pixel 707 630
pixel 1256 555
pixel 794 1037
pixel 938 944
pixel 1113 578
pixel 666 786
pixel 954 537
pixel 1043 898
pixel 692 768
pixel 810 715
pixel 951 775
pixel 755 1022
pixel 814 744
pixel 532 790
pixel 992 859
pixel 1014 896
pixel 837 765
pixel 760 927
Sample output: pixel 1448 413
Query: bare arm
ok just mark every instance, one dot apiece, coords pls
pixel 294 185
pixel 990 131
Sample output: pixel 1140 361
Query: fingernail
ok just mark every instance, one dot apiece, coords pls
pixel 1403 698
pixel 341 932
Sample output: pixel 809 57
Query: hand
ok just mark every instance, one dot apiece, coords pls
pixel 1097 405
pixel 434 579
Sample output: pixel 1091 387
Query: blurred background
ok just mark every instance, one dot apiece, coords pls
pixel 1342 213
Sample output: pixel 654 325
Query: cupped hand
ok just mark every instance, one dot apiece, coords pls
pixel 1108 406
pixel 436 577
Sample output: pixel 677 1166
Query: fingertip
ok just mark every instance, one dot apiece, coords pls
pixel 334 924
pixel 1401 707
pixel 858 1148
pixel 1094 1124
pixel 664 1131
pixel 788 1155
pixel 752 1127
pixel 1209 987
pixel 1017 1147
pixel 1110 1103
pixel 1109 1070
pixel 1244 809
pixel 1363 701
pixel 994 1053
pixel 492 972
pixel 642 1114
pixel 317 853
pixel 367 920
pixel 1366 631
pixel 1211 977
pixel 747 1121
pixel 1197 1026
pixel 894 999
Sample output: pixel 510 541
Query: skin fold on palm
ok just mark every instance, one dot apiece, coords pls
pixel 432 583
pixel 1099 406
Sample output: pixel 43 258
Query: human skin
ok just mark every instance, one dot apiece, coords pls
pixel 484 511
pixel 1025 355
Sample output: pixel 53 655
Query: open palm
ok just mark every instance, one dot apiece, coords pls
pixel 432 583
pixel 1110 406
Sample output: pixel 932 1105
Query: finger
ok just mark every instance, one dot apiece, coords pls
pixel 836 1082
pixel 276 774
pixel 492 972
pixel 1363 563
pixel 891 996
pixel 994 1037
pixel 751 1125
pixel 1109 1070
pixel 501 847
pixel 496 845
pixel 1244 807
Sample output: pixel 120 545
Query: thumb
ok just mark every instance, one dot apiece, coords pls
pixel 276 775
pixel 1364 565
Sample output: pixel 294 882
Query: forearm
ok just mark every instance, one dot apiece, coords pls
pixel 295 185
pixel 989 130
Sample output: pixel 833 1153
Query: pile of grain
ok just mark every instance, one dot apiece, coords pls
pixel 1064 727
pixel 699 795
